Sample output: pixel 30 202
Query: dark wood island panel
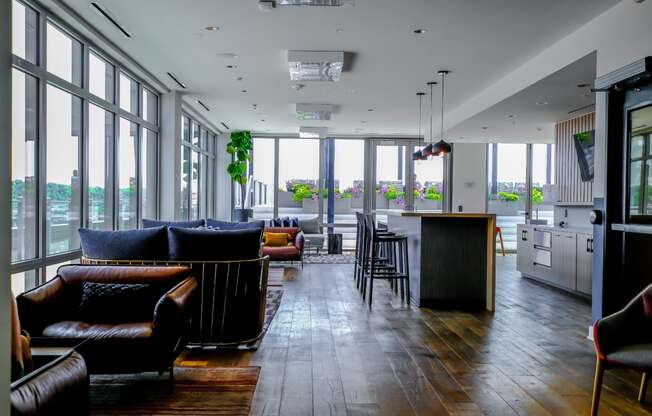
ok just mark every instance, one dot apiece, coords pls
pixel 452 258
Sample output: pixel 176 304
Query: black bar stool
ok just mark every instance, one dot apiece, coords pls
pixel 384 256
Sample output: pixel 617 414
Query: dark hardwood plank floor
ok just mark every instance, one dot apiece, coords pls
pixel 327 353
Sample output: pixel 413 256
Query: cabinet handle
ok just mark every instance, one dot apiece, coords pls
pixel 591 245
pixel 588 247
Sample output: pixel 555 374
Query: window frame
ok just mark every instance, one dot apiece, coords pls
pixel 44 78
pixel 639 218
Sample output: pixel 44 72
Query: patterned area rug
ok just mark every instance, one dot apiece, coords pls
pixel 194 391
pixel 347 258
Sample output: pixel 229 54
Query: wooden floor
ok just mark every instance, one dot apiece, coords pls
pixel 326 353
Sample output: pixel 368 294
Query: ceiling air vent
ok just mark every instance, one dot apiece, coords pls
pixel 314 111
pixel 225 126
pixel 315 65
pixel 204 106
pixel 323 3
pixel 175 79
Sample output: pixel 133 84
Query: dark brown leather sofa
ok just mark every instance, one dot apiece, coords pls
pixel 127 342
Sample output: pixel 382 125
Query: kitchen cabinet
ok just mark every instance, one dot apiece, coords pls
pixel 584 262
pixel 564 259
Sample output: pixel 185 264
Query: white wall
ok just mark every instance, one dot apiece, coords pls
pixel 223 180
pixel 5 203
pixel 469 177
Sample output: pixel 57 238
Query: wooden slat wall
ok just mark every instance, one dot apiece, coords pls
pixel 567 169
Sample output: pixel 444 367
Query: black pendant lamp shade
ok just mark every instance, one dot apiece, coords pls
pixel 442 148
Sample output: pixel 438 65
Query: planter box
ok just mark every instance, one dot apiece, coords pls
pixel 342 206
pixel 357 202
pixel 285 200
pixel 505 208
pixel 381 202
pixel 427 205
pixel 393 204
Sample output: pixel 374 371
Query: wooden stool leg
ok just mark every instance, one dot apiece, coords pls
pixel 597 387
pixel 502 245
pixel 643 389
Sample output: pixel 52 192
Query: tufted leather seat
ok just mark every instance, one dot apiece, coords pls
pixel 121 345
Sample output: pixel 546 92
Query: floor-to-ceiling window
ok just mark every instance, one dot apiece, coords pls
pixel 84 144
pixel 197 169
pixel 428 183
pixel 507 188
pixel 543 178
pixel 298 167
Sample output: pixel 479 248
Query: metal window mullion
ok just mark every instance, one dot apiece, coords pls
pixel 116 159
pixel 276 176
pixel 528 182
pixel 139 176
pixel 104 104
pixel 84 143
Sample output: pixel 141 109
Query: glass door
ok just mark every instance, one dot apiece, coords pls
pixel 392 171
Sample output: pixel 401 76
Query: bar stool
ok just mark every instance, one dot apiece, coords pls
pixel 362 249
pixel 392 266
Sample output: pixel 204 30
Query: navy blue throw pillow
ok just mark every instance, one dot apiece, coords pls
pixel 226 225
pixel 117 302
pixel 181 224
pixel 214 245
pixel 145 244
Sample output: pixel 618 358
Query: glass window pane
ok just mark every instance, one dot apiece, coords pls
pixel 148 170
pixel 203 143
pixel 23 169
pixel 22 282
pixel 636 171
pixel 298 178
pixel 64 55
pixel 185 182
pixel 63 205
pixel 648 188
pixel 185 127
pixel 638 145
pixel 128 94
pixel 507 194
pixel 195 133
pixel 51 270
pixel 100 74
pixel 428 183
pixel 127 191
pixel 100 130
pixel 150 106
pixel 194 186
pixel 263 161
pixel 24 35
pixel 390 178
pixel 542 176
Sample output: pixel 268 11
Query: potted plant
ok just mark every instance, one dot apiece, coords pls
pixel 240 148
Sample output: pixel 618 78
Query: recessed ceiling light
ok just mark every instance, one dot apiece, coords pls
pixel 363 121
pixel 370 110
pixel 542 102
pixel 263 120
pixel 510 116
pixel 339 30
pixel 231 66
pixel 238 78
pixel 212 28
pixel 484 127
pixel 243 91
pixel 419 31
pixel 315 65
pixel 539 129
pixel 297 87
pixel 583 85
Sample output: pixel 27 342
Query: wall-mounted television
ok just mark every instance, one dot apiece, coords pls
pixel 585 146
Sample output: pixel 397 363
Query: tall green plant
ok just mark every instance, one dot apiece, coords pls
pixel 240 147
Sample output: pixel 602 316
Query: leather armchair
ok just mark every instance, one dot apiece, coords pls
pixel 623 340
pixel 126 345
pixel 57 388
pixel 291 252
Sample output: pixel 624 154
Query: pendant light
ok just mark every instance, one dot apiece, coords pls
pixel 418 155
pixel 428 150
pixel 442 148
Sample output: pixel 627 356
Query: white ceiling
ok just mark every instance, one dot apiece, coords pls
pixel 530 115
pixel 479 41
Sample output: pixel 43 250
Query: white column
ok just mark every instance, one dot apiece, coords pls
pixel 170 153
pixel 223 183
pixel 5 203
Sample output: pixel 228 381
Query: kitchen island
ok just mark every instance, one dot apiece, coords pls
pixel 452 258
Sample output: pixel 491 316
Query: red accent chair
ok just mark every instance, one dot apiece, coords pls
pixel 292 252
